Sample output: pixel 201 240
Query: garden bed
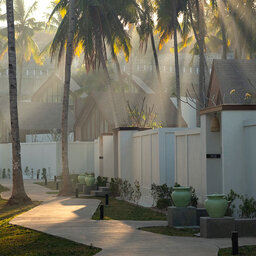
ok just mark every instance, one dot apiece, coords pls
pixel 122 210
pixel 172 231
pixel 243 251
pixel 50 184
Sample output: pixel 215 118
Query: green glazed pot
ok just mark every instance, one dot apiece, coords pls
pixel 216 205
pixel 181 196
pixel 89 180
pixel 81 179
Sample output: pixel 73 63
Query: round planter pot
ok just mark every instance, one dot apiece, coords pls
pixel 181 196
pixel 81 179
pixel 89 180
pixel 216 205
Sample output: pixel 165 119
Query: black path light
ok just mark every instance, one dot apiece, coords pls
pixel 106 199
pixel 102 212
pixel 57 185
pixel 234 238
pixel 77 192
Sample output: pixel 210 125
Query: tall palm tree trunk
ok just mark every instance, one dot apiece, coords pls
pixel 19 195
pixel 156 58
pixel 164 104
pixel 177 68
pixel 67 186
pixel 20 63
pixel 119 72
pixel 224 40
pixel 110 91
pixel 222 6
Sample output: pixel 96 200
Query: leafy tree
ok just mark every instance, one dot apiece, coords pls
pixel 19 195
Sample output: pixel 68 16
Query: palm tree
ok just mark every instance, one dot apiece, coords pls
pixel 99 24
pixel 19 195
pixel 25 26
pixel 145 29
pixel 67 186
pixel 168 12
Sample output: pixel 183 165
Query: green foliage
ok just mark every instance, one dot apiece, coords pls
pixel 101 181
pixel 9 173
pixel 123 210
pixel 4 174
pixel 231 197
pixel 243 251
pixel 44 174
pixel 172 231
pixel 115 187
pixel 27 171
pixel 163 203
pixel 161 195
pixel 137 192
pixel 142 116
pixel 194 198
pixel 248 207
pixel 38 174
pixel 126 190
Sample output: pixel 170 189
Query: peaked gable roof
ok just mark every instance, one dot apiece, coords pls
pixel 231 80
pixel 102 101
pixel 37 116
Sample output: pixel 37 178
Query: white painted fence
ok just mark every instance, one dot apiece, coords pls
pixel 188 161
pixel 250 152
pixel 48 155
pixel 147 156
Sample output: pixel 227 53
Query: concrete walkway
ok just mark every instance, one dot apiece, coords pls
pixel 71 218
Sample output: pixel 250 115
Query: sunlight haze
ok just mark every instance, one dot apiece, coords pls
pixel 42 8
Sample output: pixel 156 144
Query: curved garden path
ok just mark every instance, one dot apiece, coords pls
pixel 71 218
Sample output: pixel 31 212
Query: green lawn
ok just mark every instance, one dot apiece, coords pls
pixel 50 184
pixel 122 210
pixel 243 251
pixel 19 241
pixel 3 189
pixel 172 231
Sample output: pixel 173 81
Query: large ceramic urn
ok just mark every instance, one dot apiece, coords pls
pixel 181 196
pixel 81 179
pixel 89 180
pixel 216 205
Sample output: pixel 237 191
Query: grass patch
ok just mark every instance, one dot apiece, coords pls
pixel 122 210
pixel 20 241
pixel 3 189
pixel 52 192
pixel 243 251
pixel 50 184
pixel 172 231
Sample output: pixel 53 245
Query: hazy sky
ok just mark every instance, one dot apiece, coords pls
pixel 42 7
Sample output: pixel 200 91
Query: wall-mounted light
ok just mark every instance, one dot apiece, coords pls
pixel 215 124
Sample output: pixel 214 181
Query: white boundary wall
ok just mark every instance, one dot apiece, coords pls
pixel 147 156
pixel 188 161
pixel 48 155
